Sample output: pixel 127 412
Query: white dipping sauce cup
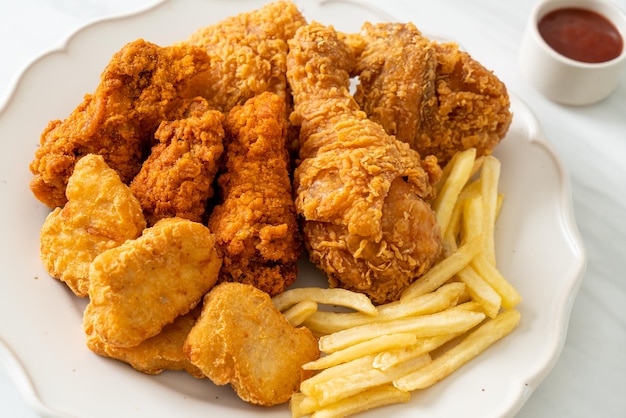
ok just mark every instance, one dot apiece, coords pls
pixel 564 80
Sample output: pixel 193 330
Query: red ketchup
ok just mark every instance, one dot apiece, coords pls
pixel 581 35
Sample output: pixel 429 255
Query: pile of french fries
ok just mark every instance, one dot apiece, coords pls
pixel 377 355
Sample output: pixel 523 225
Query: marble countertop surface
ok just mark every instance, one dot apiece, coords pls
pixel 589 379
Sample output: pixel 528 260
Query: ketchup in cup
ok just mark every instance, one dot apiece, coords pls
pixel 582 35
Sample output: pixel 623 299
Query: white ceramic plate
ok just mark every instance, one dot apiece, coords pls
pixel 41 340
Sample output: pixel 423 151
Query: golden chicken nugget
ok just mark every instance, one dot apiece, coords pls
pixel 164 351
pixel 144 284
pixel 242 339
pixel 101 214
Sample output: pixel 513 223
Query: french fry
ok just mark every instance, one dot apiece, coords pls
pixel 444 270
pixel 355 366
pixel 473 218
pixel 510 296
pixel 299 312
pixel 461 169
pixel 445 322
pixel 302 405
pixel 333 390
pixel 481 291
pixel 338 297
pixel 390 358
pixel 369 399
pixel 373 346
pixel 489 178
pixel 324 322
pixel 470 347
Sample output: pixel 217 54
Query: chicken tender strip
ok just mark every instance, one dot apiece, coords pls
pixel 176 180
pixel 101 213
pixel 144 284
pixel 255 223
pixel 138 89
pixel 242 339
pixel 162 352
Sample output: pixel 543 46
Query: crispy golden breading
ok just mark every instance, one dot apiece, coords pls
pixel 255 223
pixel 138 89
pixel 164 351
pixel 176 180
pixel 248 54
pixel 396 77
pixel 144 284
pixel 101 214
pixel 359 190
pixel 429 94
pixel 242 339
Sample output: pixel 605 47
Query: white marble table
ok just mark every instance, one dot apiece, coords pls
pixel 589 380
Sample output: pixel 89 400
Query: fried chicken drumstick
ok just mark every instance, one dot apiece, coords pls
pixel 429 94
pixel 138 89
pixel 360 191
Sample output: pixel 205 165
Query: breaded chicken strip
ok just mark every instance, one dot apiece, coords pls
pixel 144 284
pixel 430 95
pixel 255 223
pixel 242 339
pixel 176 180
pixel 362 193
pixel 248 54
pixel 101 213
pixel 164 351
pixel 138 89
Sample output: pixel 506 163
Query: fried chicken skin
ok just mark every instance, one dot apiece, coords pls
pixel 176 180
pixel 256 222
pixel 144 284
pixel 162 352
pixel 101 213
pixel 138 89
pixel 242 339
pixel 362 193
pixel 429 94
pixel 396 70
pixel 248 54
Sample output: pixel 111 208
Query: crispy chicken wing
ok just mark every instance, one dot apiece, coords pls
pixel 177 177
pixel 139 87
pixel 101 214
pixel 360 191
pixel 242 339
pixel 255 223
pixel 430 95
pixel 144 284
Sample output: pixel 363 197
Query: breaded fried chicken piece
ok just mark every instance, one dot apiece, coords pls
pixel 242 339
pixel 430 95
pixel 360 191
pixel 396 77
pixel 248 54
pixel 255 223
pixel 164 351
pixel 138 89
pixel 144 284
pixel 176 180
pixel 101 213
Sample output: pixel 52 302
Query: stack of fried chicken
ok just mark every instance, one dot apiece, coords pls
pixel 216 161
